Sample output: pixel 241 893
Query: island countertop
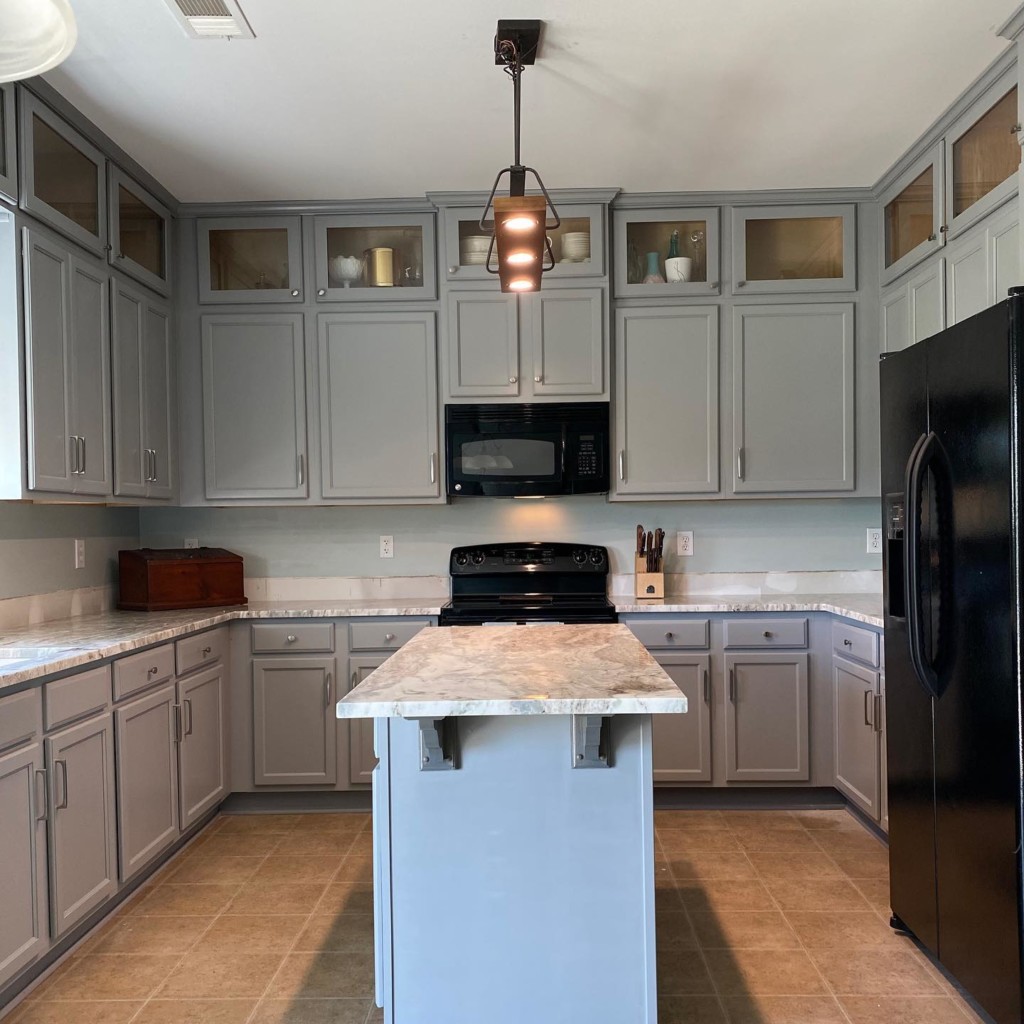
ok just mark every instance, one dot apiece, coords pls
pixel 516 670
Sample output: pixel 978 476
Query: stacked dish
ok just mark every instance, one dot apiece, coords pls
pixel 576 246
pixel 473 250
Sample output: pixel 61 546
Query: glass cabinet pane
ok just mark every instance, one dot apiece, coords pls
pixel 986 154
pixel 140 232
pixel 910 217
pixel 649 244
pixel 248 259
pixel 794 249
pixel 375 256
pixel 64 178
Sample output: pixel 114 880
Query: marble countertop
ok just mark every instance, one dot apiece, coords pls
pixel 516 670
pixel 866 608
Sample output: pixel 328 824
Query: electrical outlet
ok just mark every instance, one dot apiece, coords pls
pixel 684 543
pixel 191 542
pixel 79 553
pixel 387 547
pixel 874 542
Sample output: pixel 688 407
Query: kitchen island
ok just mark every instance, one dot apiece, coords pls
pixel 513 825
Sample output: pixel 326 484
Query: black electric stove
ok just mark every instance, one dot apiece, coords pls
pixel 528 583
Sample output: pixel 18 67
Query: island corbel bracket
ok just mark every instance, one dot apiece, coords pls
pixel 591 741
pixel 438 744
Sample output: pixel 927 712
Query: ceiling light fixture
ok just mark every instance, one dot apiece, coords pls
pixel 35 35
pixel 520 221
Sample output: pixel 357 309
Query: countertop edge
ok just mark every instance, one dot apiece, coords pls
pixel 469 708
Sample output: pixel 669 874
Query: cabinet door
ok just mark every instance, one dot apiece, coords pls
pixel 766 725
pixel 682 743
pixel 927 295
pixel 912 216
pixel 1003 232
pixel 89 381
pixel 895 319
pixel 568 341
pixel 131 463
pixel 52 451
pixel 254 406
pixel 83 850
pixel 793 398
pixel 856 737
pixel 666 410
pixel 8 149
pixel 378 405
pixel 483 345
pixel 295 738
pixel 361 758
pixel 967 287
pixel 147 779
pixel 202 764
pixel 157 393
pixel 250 259
pixel 139 232
pixel 24 932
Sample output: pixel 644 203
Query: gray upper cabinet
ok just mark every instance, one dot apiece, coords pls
pixel 895 309
pixel 378 405
pixel 567 327
pixel 375 257
pixel 362 759
pixel 140 232
pixel 483 345
pixel 926 292
pixel 202 758
pixel 912 218
pixel 250 259
pixel 682 743
pixel 82 836
pixel 967 289
pixel 295 730
pixel 793 398
pixel 254 405
pixel 147 779
pixel 643 239
pixel 63 175
pixel 767 732
pixel 67 339
pixel 8 150
pixel 666 407
pixel 143 392
pixel 24 929
pixel 781 249
pixel 856 709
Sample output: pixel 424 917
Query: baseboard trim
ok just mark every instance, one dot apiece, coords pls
pixel 678 798
pixel 295 803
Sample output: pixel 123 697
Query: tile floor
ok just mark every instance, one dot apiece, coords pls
pixel 763 917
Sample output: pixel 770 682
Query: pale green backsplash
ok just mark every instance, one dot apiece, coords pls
pixel 747 536
pixel 37 546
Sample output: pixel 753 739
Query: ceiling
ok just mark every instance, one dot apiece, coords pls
pixel 340 99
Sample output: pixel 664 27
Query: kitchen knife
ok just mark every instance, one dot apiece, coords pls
pixel 659 543
pixel 650 550
pixel 639 541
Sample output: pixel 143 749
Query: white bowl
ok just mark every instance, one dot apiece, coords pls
pixel 475 243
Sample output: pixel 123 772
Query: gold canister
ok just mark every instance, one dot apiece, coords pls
pixel 380 267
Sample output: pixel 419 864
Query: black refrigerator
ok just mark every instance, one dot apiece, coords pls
pixel 951 443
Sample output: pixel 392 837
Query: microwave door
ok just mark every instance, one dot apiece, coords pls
pixel 516 460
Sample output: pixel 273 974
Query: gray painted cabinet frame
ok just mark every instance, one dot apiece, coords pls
pixel 934 159
pixel 117 179
pixel 8 144
pixel 293 292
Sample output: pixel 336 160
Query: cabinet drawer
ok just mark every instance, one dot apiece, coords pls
pixel 141 670
pixel 766 633
pixel 275 638
pixel 21 718
pixel 203 649
pixel 76 696
pixel 672 633
pixel 856 643
pixel 382 636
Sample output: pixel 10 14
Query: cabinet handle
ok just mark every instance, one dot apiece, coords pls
pixel 739 463
pixel 869 705
pixel 41 801
pixel 879 711
pixel 153 478
pixel 389 637
pixel 512 380
pixel 732 685
pixel 73 443
pixel 60 804
pixel 707 688
pixel 622 464
pixel 291 638
pixel 537 379
pixel 206 651
pixel 295 293
pixel 433 467
pixel 302 468
pixel 187 706
pixel 82 439
pixel 320 291
pixel 327 690
pixel 355 680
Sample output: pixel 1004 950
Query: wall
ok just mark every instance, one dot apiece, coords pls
pixel 37 546
pixel 738 536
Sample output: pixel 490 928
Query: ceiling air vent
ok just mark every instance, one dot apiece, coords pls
pixel 211 19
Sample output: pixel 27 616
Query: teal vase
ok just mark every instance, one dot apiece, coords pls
pixel 653 269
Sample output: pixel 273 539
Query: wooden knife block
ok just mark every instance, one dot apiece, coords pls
pixel 649 585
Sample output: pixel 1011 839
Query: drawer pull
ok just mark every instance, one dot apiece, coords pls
pixel 669 635
pixel 327 690
pixel 767 634
pixel 206 651
pixel 869 708
pixel 732 685
pixel 153 671
pixel 60 804
pixel 389 637
pixel 41 801
pixel 291 638
pixel 707 688
pixel 186 706
pixel 847 643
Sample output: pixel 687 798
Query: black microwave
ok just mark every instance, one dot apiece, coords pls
pixel 510 451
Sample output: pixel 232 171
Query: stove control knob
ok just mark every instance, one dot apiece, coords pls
pixel 597 556
pixel 478 558
pixel 461 558
pixel 579 557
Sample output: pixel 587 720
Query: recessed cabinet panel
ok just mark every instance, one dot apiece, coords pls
pixel 202 761
pixel 483 344
pixel 646 239
pixel 968 278
pixel 158 392
pixel 139 232
pixel 250 259
pixel 912 216
pixel 1003 234
pixel 927 292
pixel 857 736
pixel 895 320
pixel 682 743
pixel 568 341
pixel 8 144
pixel 362 759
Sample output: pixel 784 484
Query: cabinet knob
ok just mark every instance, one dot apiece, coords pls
pixel 669 635
pixel 537 380
pixel 153 671
pixel 321 292
pixel 767 634
pixel 453 270
pixel 120 256
pixel 389 636
pixel 295 293
pixel 847 643
pixel 512 380
pixel 714 284
pixel 1015 130
pixel 206 651
pixel 291 638
pixel 741 284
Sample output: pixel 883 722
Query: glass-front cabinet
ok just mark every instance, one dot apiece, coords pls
pixel 794 249
pixel 375 257
pixel 65 180
pixel 8 145
pixel 250 259
pixel 139 232
pixel 666 252
pixel 912 225
pixel 577 244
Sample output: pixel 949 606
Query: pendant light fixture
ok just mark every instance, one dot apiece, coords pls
pixel 520 221
pixel 35 35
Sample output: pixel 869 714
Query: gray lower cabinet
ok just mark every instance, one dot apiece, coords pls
pixel 378 369
pixel 793 398
pixel 483 345
pixel 295 732
pixel 767 731
pixel 147 778
pixel 67 368
pixel 682 743
pixel 143 394
pixel 857 711
pixel 362 759
pixel 202 758
pixel 24 929
pixel 666 410
pixel 254 405
pixel 82 825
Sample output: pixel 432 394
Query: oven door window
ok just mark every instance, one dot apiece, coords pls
pixel 536 458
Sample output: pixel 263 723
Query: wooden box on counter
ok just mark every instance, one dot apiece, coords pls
pixel 152 579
